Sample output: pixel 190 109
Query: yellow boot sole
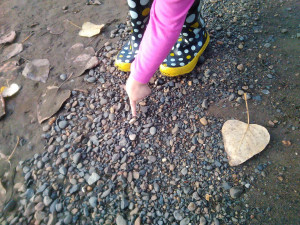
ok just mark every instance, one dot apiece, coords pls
pixel 177 71
pixel 125 67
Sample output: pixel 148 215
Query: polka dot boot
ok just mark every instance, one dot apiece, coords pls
pixel 139 14
pixel 191 43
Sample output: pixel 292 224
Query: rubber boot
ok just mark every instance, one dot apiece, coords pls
pixel 139 14
pixel 190 45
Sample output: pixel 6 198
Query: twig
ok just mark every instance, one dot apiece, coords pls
pixel 11 155
pixel 245 96
pixel 74 24
pixel 27 37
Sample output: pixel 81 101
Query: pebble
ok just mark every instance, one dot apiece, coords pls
pixel 240 67
pixel 267 45
pixel 120 220
pixel 192 206
pixel 63 77
pixel 204 104
pixel 202 221
pixel 178 215
pixel 74 189
pixel 47 200
pixel 68 219
pixel 93 178
pixel 46 128
pixel 236 192
pixel 266 92
pixel 63 124
pixel 91 79
pixel 93 201
pixel 76 158
pixel 152 130
pixel 203 121
pixel 151 159
pixel 132 137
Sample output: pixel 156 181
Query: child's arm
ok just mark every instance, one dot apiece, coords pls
pixel 166 20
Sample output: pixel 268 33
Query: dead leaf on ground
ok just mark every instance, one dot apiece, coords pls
pixel 80 59
pixel 56 28
pixel 11 51
pixel 50 102
pixel 89 29
pixel 242 142
pixel 9 67
pixel 10 91
pixel 8 38
pixel 2 194
pixel 37 70
pixel 2 106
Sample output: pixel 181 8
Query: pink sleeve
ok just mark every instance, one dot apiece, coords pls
pixel 166 20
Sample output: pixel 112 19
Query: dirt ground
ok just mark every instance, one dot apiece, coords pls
pixel 276 195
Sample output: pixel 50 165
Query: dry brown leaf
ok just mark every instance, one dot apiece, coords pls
pixel 9 66
pixel 2 194
pixel 50 102
pixel 8 38
pixel 12 51
pixel 89 29
pixel 242 142
pixel 37 70
pixel 79 59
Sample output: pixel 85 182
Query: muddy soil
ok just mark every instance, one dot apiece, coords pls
pixel 275 198
pixel 34 17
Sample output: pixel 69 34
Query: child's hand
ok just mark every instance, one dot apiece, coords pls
pixel 136 91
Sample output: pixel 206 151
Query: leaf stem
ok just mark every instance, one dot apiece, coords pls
pixel 74 24
pixel 248 116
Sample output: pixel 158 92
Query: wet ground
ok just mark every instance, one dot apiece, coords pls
pixel 274 198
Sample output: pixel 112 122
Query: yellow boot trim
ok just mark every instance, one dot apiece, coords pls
pixel 177 71
pixel 125 67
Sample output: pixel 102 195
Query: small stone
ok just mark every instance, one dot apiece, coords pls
pixel 68 219
pixel 62 124
pixel 218 28
pixel 185 221
pixel 120 220
pixel 240 67
pixel 178 215
pixel 192 206
pixel 93 201
pixel 284 30
pixel 115 157
pixel 58 207
pixel 106 193
pixel 91 79
pixel 236 192
pixel 231 97
pixel 47 200
pixel 39 207
pixel 184 171
pixel 63 77
pixel 269 76
pixel 240 92
pixel 137 221
pixel 203 121
pixel 132 137
pixel 10 206
pixel 63 170
pixel 205 104
pixel 93 178
pixel 266 92
pixel 152 130
pixel 76 158
pixel 46 128
pixel 151 159
pixel 202 220
pixel 74 189
pixel 267 45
